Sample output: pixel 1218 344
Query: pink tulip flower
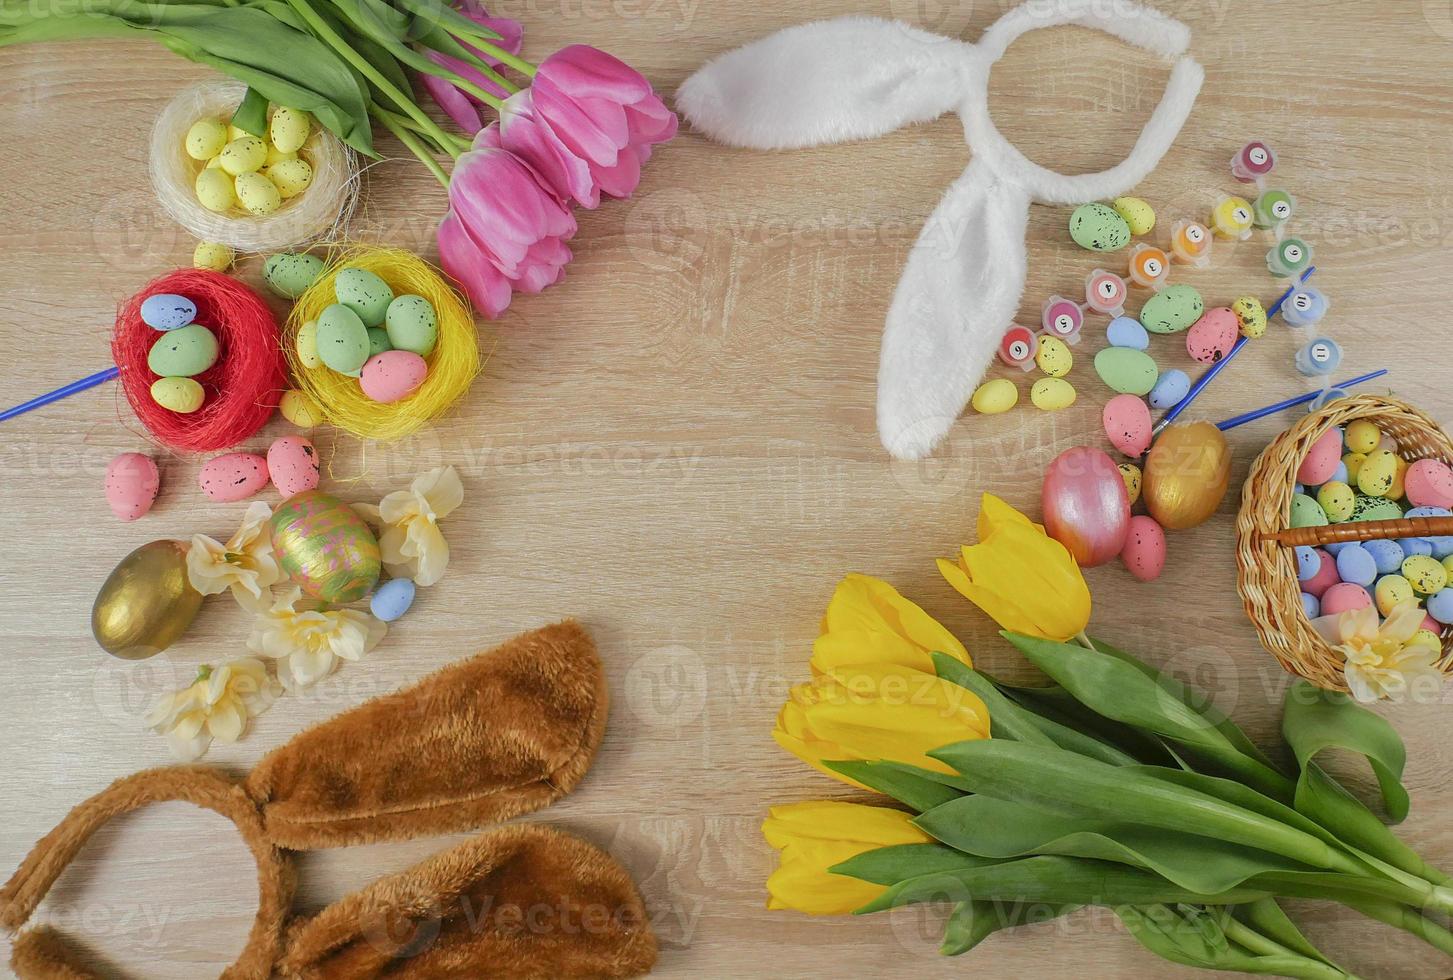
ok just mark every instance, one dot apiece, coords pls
pixel 462 107
pixel 505 229
pixel 586 124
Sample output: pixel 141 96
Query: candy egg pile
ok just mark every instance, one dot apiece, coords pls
pixel 183 350
pixel 368 333
pixel 1356 474
pixel 252 173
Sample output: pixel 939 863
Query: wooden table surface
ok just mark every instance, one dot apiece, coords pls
pixel 677 447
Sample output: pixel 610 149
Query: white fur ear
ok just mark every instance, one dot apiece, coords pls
pixel 959 292
pixel 825 82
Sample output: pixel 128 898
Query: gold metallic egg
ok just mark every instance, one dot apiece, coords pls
pixel 325 547
pixel 147 602
pixel 1186 475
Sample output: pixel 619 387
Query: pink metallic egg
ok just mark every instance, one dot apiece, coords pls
pixel 1085 505
pixel 131 484
pixel 1320 463
pixel 1127 424
pixel 1212 336
pixel 1144 553
pixel 233 476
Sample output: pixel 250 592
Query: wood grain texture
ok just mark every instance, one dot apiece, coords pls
pixel 677 447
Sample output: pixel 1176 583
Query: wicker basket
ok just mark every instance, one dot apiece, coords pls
pixel 1266 566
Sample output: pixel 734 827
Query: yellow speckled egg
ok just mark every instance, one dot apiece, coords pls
pixel 258 195
pixel 274 155
pixel 299 408
pixel 307 344
pixel 1377 473
pixel 1338 500
pixel 1250 316
pixel 1137 214
pixel 214 190
pixel 205 138
pixel 994 397
pixel 147 602
pixel 1425 574
pixel 1397 491
pixel 213 255
pixel 288 129
pixel 325 547
pixel 1362 436
pixel 291 177
pixel 181 395
pixel 1392 591
pixel 1353 462
pixel 1054 357
pixel 237 132
pixel 243 156
pixel 1052 394
pixel 1427 637
pixel 1448 567
pixel 1130 473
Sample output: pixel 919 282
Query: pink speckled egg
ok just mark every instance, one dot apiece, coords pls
pixel 1429 483
pixel 1326 576
pixel 1086 507
pixel 233 476
pixel 1321 460
pixel 1127 424
pixel 1144 551
pixel 1213 335
pixel 1344 596
pixel 1431 625
pixel 292 463
pixel 131 484
pixel 393 375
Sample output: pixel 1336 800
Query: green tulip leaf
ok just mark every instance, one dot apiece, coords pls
pixel 970 923
pixel 890 865
pixel 1270 919
pixel 1315 720
pixel 903 783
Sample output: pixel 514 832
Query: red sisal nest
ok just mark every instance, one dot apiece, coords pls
pixel 242 388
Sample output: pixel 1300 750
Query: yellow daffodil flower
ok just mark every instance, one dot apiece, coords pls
pixel 1024 579
pixel 245 564
pixel 410 540
pixel 1388 660
pixel 216 705
pixel 812 837
pixel 868 621
pixel 876 712
pixel 308 642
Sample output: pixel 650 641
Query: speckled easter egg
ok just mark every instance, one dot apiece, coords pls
pixel 1322 460
pixel 1250 317
pixel 1144 553
pixel 1212 336
pixel 1132 477
pixel 325 547
pixel 1127 424
pixel 233 476
pixel 1139 215
pixel 131 484
pixel 299 408
pixel 289 274
pixel 306 344
pixel 1375 509
pixel 1355 564
pixel 1337 500
pixel 1426 575
pixel 1326 576
pixel 1392 591
pixel 1054 357
pixel 994 397
pixel 1126 370
pixel 1052 394
pixel 1306 512
pixel 1344 596
pixel 181 395
pixel 1378 473
pixel 1440 607
pixel 183 352
pixel 1172 310
pixel 292 463
pixel 1363 436
pixel 1097 227
pixel 1126 331
pixel 1170 388
pixel 1388 555
pixel 1429 483
pixel 1308 564
pixel 365 293
pixel 378 341
pixel 342 339
pixel 393 375
pixel 392 599
pixel 412 324
pixel 167 311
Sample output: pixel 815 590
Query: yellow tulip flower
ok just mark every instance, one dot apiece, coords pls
pixel 868 621
pixel 872 712
pixel 813 837
pixel 1024 579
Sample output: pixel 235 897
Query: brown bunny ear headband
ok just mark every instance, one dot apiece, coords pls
pixel 495 736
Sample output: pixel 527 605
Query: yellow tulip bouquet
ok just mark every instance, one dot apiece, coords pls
pixel 1113 786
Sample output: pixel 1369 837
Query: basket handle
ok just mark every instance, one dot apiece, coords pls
pixel 1405 527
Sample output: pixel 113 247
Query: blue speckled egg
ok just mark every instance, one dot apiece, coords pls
pixel 167 311
pixel 1440 606
pixel 1387 555
pixel 1169 389
pixel 1356 564
pixel 1335 548
pixel 1415 546
pixel 1309 563
pixel 1126 331
pixel 1311 605
pixel 392 599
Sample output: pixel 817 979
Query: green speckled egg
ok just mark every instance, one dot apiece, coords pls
pixel 1375 509
pixel 289 274
pixel 1099 228
pixel 342 339
pixel 365 293
pixel 184 352
pixel 412 325
pixel 1306 512
pixel 378 341
pixel 1172 310
pixel 1127 370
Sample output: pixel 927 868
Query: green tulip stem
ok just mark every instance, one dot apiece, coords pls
pixel 411 141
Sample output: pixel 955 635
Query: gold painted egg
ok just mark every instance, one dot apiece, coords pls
pixel 1186 475
pixel 147 602
pixel 325 547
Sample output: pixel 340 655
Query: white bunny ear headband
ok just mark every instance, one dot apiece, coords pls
pixel 862 77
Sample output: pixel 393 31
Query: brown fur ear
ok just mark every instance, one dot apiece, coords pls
pixel 520 903
pixel 41 954
pixel 497 735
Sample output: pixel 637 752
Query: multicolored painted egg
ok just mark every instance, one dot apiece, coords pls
pixel 1186 475
pixel 1250 316
pixel 1289 257
pixel 1149 266
pixel 325 547
pixel 995 397
pixel 1321 461
pixel 1211 337
pixel 1172 310
pixel 1273 207
pixel 1097 227
pixel 1131 474
pixel 1170 389
pixel 1085 505
pixel 1429 483
pixel 1018 347
pixel 1052 394
pixel 1190 242
pixel 1305 307
pixel 1139 215
pixel 1105 293
pixel 1144 553
pixel 131 484
pixel 1253 162
pixel 1062 319
pixel 1054 357
pixel 1127 424
pixel 146 603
